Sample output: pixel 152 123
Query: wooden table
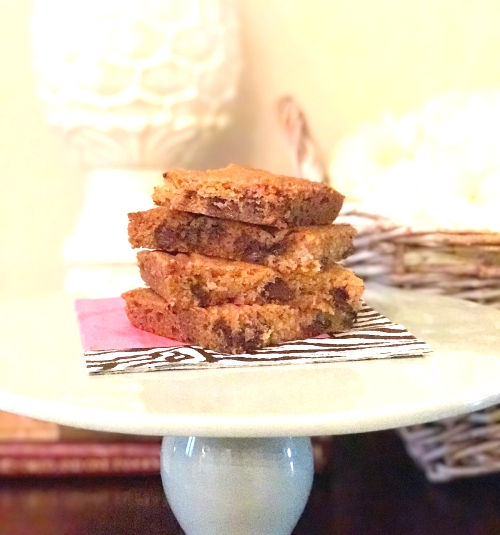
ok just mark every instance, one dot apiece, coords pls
pixel 375 489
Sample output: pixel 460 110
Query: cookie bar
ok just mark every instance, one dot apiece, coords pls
pixel 187 280
pixel 310 248
pixel 231 328
pixel 250 195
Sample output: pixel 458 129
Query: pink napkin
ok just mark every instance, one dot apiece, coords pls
pixel 104 325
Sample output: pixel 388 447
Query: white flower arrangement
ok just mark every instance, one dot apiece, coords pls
pixel 435 168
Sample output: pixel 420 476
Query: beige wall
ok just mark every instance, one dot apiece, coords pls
pixel 345 61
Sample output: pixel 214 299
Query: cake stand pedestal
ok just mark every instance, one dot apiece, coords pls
pixel 224 486
pixel 236 457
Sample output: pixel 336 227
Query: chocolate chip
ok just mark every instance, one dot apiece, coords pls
pixel 324 263
pixel 272 231
pixel 201 295
pixel 231 340
pixel 214 229
pixel 166 238
pixel 322 322
pixel 237 341
pixel 277 291
pixel 189 235
pixel 252 250
pixel 349 314
pixel 339 295
pixel 340 298
pixel 254 342
pixel 222 328
pixel 279 248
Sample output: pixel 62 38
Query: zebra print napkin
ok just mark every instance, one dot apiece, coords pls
pixel 112 345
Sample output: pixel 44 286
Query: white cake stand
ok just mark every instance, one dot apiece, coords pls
pixel 236 457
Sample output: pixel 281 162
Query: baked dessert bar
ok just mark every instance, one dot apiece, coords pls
pixel 231 328
pixel 250 195
pixel 310 248
pixel 187 280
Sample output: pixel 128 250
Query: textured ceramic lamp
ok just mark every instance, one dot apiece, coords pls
pixel 132 87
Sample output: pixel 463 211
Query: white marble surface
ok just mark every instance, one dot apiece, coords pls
pixel 43 375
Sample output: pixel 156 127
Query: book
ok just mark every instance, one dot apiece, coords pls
pixel 79 458
pixel 30 447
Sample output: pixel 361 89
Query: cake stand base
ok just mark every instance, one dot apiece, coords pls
pixel 244 486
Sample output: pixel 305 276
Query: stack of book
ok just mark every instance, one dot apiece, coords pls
pixel 29 447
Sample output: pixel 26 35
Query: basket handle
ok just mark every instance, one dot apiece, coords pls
pixel 306 156
pixel 304 151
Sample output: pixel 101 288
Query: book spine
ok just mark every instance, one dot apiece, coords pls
pixel 65 459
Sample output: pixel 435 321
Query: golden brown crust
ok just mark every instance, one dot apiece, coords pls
pixel 231 328
pixel 187 280
pixel 312 248
pixel 250 195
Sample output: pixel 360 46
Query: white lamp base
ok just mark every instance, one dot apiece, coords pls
pixel 102 280
pixel 98 255
pixel 244 486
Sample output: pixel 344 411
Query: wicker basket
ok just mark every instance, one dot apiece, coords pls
pixel 460 264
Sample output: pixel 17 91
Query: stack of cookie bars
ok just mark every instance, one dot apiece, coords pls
pixel 237 259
